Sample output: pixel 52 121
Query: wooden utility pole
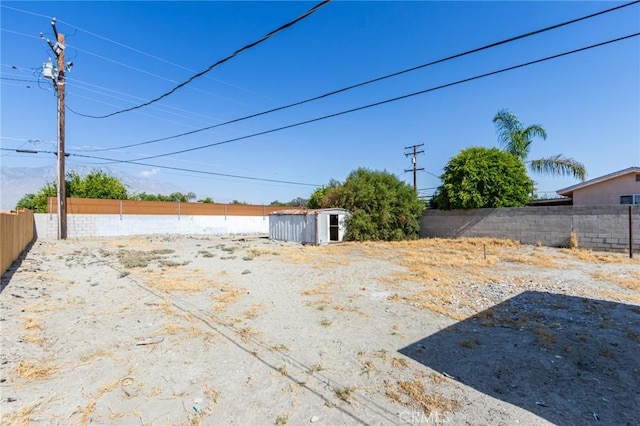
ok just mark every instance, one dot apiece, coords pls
pixel 58 80
pixel 414 153
pixel 62 192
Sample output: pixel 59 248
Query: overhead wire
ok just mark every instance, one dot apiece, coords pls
pixel 529 63
pixel 390 100
pixel 219 62
pixel 384 77
pixel 252 178
pixel 133 49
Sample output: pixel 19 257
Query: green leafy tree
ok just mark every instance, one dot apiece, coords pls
pixel 480 177
pixel 382 206
pixel 173 197
pixel 207 200
pixel 95 184
pixel 516 139
pixel 317 197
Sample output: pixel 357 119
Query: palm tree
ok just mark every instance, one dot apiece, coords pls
pixel 516 139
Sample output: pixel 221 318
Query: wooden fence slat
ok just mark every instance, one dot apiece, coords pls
pixel 16 232
pixel 130 207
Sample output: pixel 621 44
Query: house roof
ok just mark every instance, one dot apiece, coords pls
pixel 568 191
pixel 304 211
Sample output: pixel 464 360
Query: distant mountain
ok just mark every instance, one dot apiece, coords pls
pixel 15 182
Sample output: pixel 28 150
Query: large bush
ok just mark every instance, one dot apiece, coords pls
pixel 382 206
pixel 483 177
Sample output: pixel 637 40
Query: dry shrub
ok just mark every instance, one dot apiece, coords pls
pixel 35 370
pixel 573 240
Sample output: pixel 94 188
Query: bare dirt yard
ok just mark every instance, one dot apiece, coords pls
pixel 179 330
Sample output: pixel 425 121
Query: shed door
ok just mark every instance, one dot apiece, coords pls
pixel 333 227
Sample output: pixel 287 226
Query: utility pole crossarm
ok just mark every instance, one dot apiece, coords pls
pixel 413 153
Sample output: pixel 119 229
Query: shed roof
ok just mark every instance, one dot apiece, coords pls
pixel 305 211
pixel 568 191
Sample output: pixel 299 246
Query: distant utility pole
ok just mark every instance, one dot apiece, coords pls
pixel 413 152
pixel 57 76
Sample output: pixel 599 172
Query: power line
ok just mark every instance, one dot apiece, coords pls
pixel 386 101
pixel 133 49
pixel 221 61
pixel 18 79
pixel 137 161
pixel 252 178
pixel 374 80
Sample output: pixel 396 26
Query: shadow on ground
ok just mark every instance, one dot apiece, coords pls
pixel 8 274
pixel 569 360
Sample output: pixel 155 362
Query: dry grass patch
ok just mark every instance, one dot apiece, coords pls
pixel 344 393
pixel 315 368
pixel 533 258
pixel 229 294
pixel 320 289
pixel 279 348
pixel 599 256
pixel 624 279
pixel 399 363
pixel 32 331
pixel 88 409
pixel 22 417
pixel 282 419
pixel 246 334
pixel 35 370
pixel 173 329
pixel 412 393
pixel 253 311
pixel 544 336
pixel 186 283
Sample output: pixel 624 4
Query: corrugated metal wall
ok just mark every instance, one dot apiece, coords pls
pixel 299 228
pixel 309 228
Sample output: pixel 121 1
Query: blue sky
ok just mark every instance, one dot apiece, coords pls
pixel 125 53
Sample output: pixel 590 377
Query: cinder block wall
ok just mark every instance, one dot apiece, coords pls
pixel 105 225
pixel 597 227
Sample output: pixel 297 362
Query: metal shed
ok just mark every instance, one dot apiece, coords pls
pixel 318 226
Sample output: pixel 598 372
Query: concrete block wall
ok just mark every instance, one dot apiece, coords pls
pixel 597 227
pixel 105 225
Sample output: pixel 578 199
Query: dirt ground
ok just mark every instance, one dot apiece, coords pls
pixel 179 330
